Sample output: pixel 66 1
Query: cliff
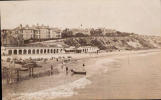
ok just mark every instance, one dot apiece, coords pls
pixel 133 42
pixel 116 43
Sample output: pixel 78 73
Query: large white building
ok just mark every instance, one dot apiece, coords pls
pixel 82 49
pixel 36 32
pixel 5 51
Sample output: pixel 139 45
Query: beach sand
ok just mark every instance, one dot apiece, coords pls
pixel 116 75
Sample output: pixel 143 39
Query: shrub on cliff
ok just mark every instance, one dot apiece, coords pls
pixel 98 44
pixel 67 33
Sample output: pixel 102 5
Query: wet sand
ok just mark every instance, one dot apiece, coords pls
pixel 120 75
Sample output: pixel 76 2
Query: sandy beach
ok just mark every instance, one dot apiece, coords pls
pixel 126 74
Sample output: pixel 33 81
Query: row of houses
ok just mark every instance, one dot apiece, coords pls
pixel 34 32
pixel 46 32
pixel 17 36
pixel 8 51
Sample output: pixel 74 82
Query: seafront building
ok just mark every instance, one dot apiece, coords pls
pixel 8 51
pixel 34 32
pixel 82 49
pixel 38 32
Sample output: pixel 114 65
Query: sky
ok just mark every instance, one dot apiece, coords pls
pixel 137 16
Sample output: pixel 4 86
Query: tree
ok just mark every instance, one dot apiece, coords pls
pixel 92 32
pixel 67 33
pixel 96 32
pixel 80 35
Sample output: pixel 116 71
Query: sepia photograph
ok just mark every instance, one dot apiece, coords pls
pixel 80 49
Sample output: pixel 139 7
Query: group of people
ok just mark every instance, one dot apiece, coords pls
pixel 66 68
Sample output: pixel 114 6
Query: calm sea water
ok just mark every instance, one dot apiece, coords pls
pixel 134 77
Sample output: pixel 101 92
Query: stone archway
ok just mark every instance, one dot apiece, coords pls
pixel 41 51
pixel 48 50
pixel 33 51
pixel 24 51
pixel 54 51
pixel 44 50
pixel 57 50
pixel 20 52
pixel 29 51
pixel 37 51
pixel 15 52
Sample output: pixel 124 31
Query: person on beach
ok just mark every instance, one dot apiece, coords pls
pixel 51 69
pixel 62 65
pixel 83 67
pixel 66 70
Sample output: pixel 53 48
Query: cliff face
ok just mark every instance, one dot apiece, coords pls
pixel 116 43
pixel 133 42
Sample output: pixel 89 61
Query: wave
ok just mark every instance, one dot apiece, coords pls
pixel 60 91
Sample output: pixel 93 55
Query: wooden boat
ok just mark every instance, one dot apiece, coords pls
pixel 31 65
pixel 78 72
pixel 24 69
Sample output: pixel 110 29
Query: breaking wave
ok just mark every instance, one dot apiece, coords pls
pixel 60 91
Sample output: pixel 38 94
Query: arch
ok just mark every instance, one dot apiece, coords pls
pixel 15 52
pixel 20 51
pixel 48 50
pixel 10 52
pixel 61 50
pixel 86 50
pixel 24 51
pixel 51 50
pixel 57 50
pixel 37 51
pixel 29 51
pixel 44 50
pixel 41 51
pixel 33 51
pixel 54 50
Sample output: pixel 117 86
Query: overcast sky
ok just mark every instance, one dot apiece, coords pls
pixel 138 16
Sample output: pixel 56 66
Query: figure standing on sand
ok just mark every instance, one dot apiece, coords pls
pixel 62 65
pixel 83 67
pixel 51 69
pixel 66 70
